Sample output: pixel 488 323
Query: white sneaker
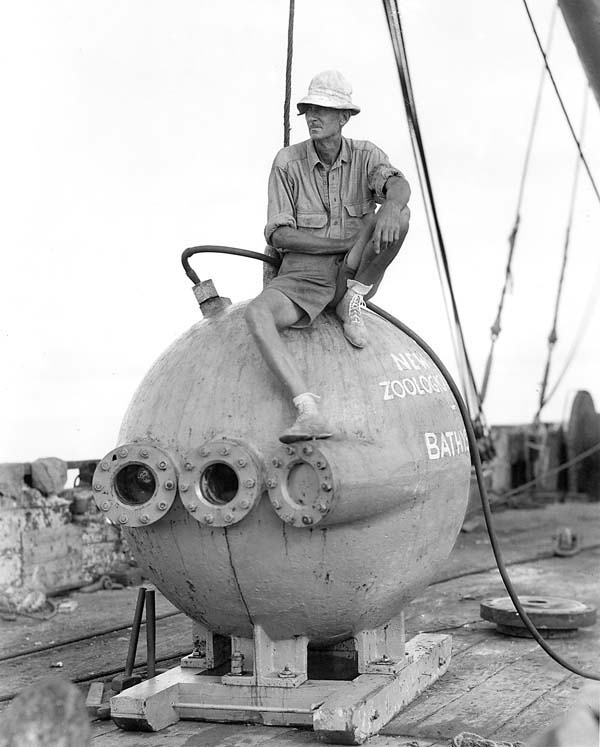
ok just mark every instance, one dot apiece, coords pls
pixel 349 310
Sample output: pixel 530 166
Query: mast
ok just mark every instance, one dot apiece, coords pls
pixel 583 21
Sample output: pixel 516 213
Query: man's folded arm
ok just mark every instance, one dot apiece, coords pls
pixel 290 239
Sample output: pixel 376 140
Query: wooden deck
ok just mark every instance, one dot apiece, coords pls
pixel 499 687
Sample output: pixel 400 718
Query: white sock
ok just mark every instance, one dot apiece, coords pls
pixel 306 402
pixel 357 287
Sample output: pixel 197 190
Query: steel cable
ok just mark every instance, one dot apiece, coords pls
pixel 553 336
pixel 512 239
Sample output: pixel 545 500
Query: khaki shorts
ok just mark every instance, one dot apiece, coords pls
pixel 313 282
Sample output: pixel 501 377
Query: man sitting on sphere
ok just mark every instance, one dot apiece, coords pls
pixel 336 248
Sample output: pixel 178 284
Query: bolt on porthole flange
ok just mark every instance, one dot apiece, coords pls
pixel 300 484
pixel 224 482
pixel 135 484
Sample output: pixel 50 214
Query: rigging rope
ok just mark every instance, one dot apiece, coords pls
pixel 562 105
pixel 466 372
pixel 512 239
pixel 288 77
pixel 553 336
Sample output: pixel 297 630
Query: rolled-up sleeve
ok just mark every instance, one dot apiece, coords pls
pixel 379 170
pixel 281 210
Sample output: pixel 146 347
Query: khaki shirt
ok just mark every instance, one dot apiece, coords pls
pixel 304 195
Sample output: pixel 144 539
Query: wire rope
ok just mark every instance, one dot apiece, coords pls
pixel 396 34
pixel 512 239
pixel 562 104
pixel 288 76
pixel 553 335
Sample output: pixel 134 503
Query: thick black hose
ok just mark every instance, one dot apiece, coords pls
pixel 487 513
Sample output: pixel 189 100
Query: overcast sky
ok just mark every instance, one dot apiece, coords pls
pixel 134 129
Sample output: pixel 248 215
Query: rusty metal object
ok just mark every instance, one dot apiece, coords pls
pixel 303 572
pixel 128 679
pixel 554 617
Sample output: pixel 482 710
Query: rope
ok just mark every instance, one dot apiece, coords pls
pixel 586 317
pixel 553 336
pixel 288 77
pixel 562 105
pixel 512 239
pixel 395 28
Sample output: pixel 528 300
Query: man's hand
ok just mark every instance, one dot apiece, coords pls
pixel 387 226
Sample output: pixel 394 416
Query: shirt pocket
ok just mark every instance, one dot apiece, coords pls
pixel 354 213
pixel 311 221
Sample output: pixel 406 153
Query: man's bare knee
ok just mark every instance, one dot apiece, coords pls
pixel 258 316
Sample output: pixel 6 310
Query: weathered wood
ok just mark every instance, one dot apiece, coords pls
pixel 96 613
pixel 362 707
pixel 90 657
pixel 381 651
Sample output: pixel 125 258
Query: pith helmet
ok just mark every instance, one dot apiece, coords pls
pixel 331 89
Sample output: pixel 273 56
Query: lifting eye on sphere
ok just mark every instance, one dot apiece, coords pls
pixel 135 484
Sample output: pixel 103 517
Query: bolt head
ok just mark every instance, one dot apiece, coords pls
pixel 308 450
pixel 249 483
pixel 192 508
pixel 105 506
pixel 97 487
pixel 144 453
pixel 244 503
pixel 290 450
pixel 209 518
pixel 276 504
pixel 162 505
pixel 169 485
pixel 326 486
pixel 322 507
pixel 228 517
pixel 242 462
pixel 204 452
pixel 123 453
pixel 123 519
pixel 308 520
pixel 144 518
pixel 320 464
pixel 276 462
pixel 189 466
pixel 105 466
pixel 224 451
pixel 271 482
pixel 184 487
pixel 162 464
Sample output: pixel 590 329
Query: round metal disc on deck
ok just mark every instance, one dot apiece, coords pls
pixel 554 617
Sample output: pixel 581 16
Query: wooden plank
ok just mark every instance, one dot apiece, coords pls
pixel 90 657
pixel 361 708
pixel 547 708
pixel 98 611
pixel 494 701
pixel 468 670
